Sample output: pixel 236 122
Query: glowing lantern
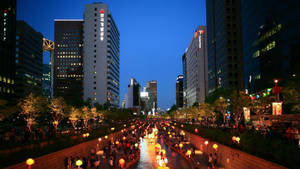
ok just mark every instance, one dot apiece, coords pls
pixel 124 125
pixel 158 157
pixel 117 142
pixel 188 153
pixel 84 135
pixel 170 136
pixel 163 151
pixel 215 146
pixel 157 146
pixel 168 132
pixel 122 162
pixel 182 125
pixel 238 139
pixel 124 138
pixel 106 137
pixel 196 130
pixel 112 129
pixel 78 163
pixel 206 142
pixel 29 162
pixel 233 138
pixel 87 134
pixel 99 139
pixel 180 145
pixel 136 144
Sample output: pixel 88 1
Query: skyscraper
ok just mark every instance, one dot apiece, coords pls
pixel 68 56
pixel 195 68
pixel 133 95
pixel 7 48
pixel 29 60
pixel 101 55
pixel 225 68
pixel 271 43
pixel 179 91
pixel 152 86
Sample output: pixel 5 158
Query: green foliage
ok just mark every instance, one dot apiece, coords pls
pixel 291 93
pixel 220 92
pixel 173 108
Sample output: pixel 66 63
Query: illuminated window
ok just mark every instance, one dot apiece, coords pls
pixel 95 98
pixel 95 93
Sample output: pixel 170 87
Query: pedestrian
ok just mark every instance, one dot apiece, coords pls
pixel 215 158
pixel 210 161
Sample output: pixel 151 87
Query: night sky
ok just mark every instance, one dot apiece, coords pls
pixel 154 35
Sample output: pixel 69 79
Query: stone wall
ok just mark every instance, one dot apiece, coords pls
pixel 232 158
pixel 56 159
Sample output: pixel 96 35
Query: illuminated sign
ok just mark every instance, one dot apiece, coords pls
pixel 201 32
pixel 246 114
pixel 101 24
pixel 277 108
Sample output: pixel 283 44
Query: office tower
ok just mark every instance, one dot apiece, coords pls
pixel 195 68
pixel 7 48
pixel 146 103
pixel 225 68
pixel 29 60
pixel 184 78
pixel 101 55
pixel 271 43
pixel 179 91
pixel 68 56
pixel 152 86
pixel 133 95
pixel 46 84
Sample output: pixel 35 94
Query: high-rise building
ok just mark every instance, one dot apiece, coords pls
pixel 195 68
pixel 184 78
pixel 152 86
pixel 29 60
pixel 7 48
pixel 46 80
pixel 146 103
pixel 68 58
pixel 179 91
pixel 101 55
pixel 271 43
pixel 133 95
pixel 225 68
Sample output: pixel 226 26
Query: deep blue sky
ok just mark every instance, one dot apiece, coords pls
pixel 154 35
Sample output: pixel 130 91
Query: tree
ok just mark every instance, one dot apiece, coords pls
pixel 205 110
pixel 86 115
pixel 57 110
pixel 29 109
pixel 261 106
pixel 291 93
pixel 74 116
pixel 221 106
pixel 239 100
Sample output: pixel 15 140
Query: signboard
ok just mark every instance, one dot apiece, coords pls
pixel 276 108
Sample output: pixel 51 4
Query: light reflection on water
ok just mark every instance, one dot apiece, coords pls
pixel 147 157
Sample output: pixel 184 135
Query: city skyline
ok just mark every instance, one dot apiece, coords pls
pixel 151 57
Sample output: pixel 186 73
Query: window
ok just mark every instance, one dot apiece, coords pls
pixel 94 88
pixel 95 35
pixel 95 45
pixel 95 9
pixel 94 61
pixel 95 56
pixel 95 14
pixel 94 77
pixel 94 82
pixel 95 30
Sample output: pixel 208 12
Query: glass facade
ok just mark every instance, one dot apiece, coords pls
pixel 271 43
pixel 7 48
pixel 68 56
pixel 29 60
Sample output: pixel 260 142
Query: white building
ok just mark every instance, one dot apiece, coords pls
pixel 195 68
pixel 101 64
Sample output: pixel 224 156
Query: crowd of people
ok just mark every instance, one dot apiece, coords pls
pixel 115 152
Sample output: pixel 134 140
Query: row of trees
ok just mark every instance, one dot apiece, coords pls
pixel 223 100
pixel 221 105
pixel 38 109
